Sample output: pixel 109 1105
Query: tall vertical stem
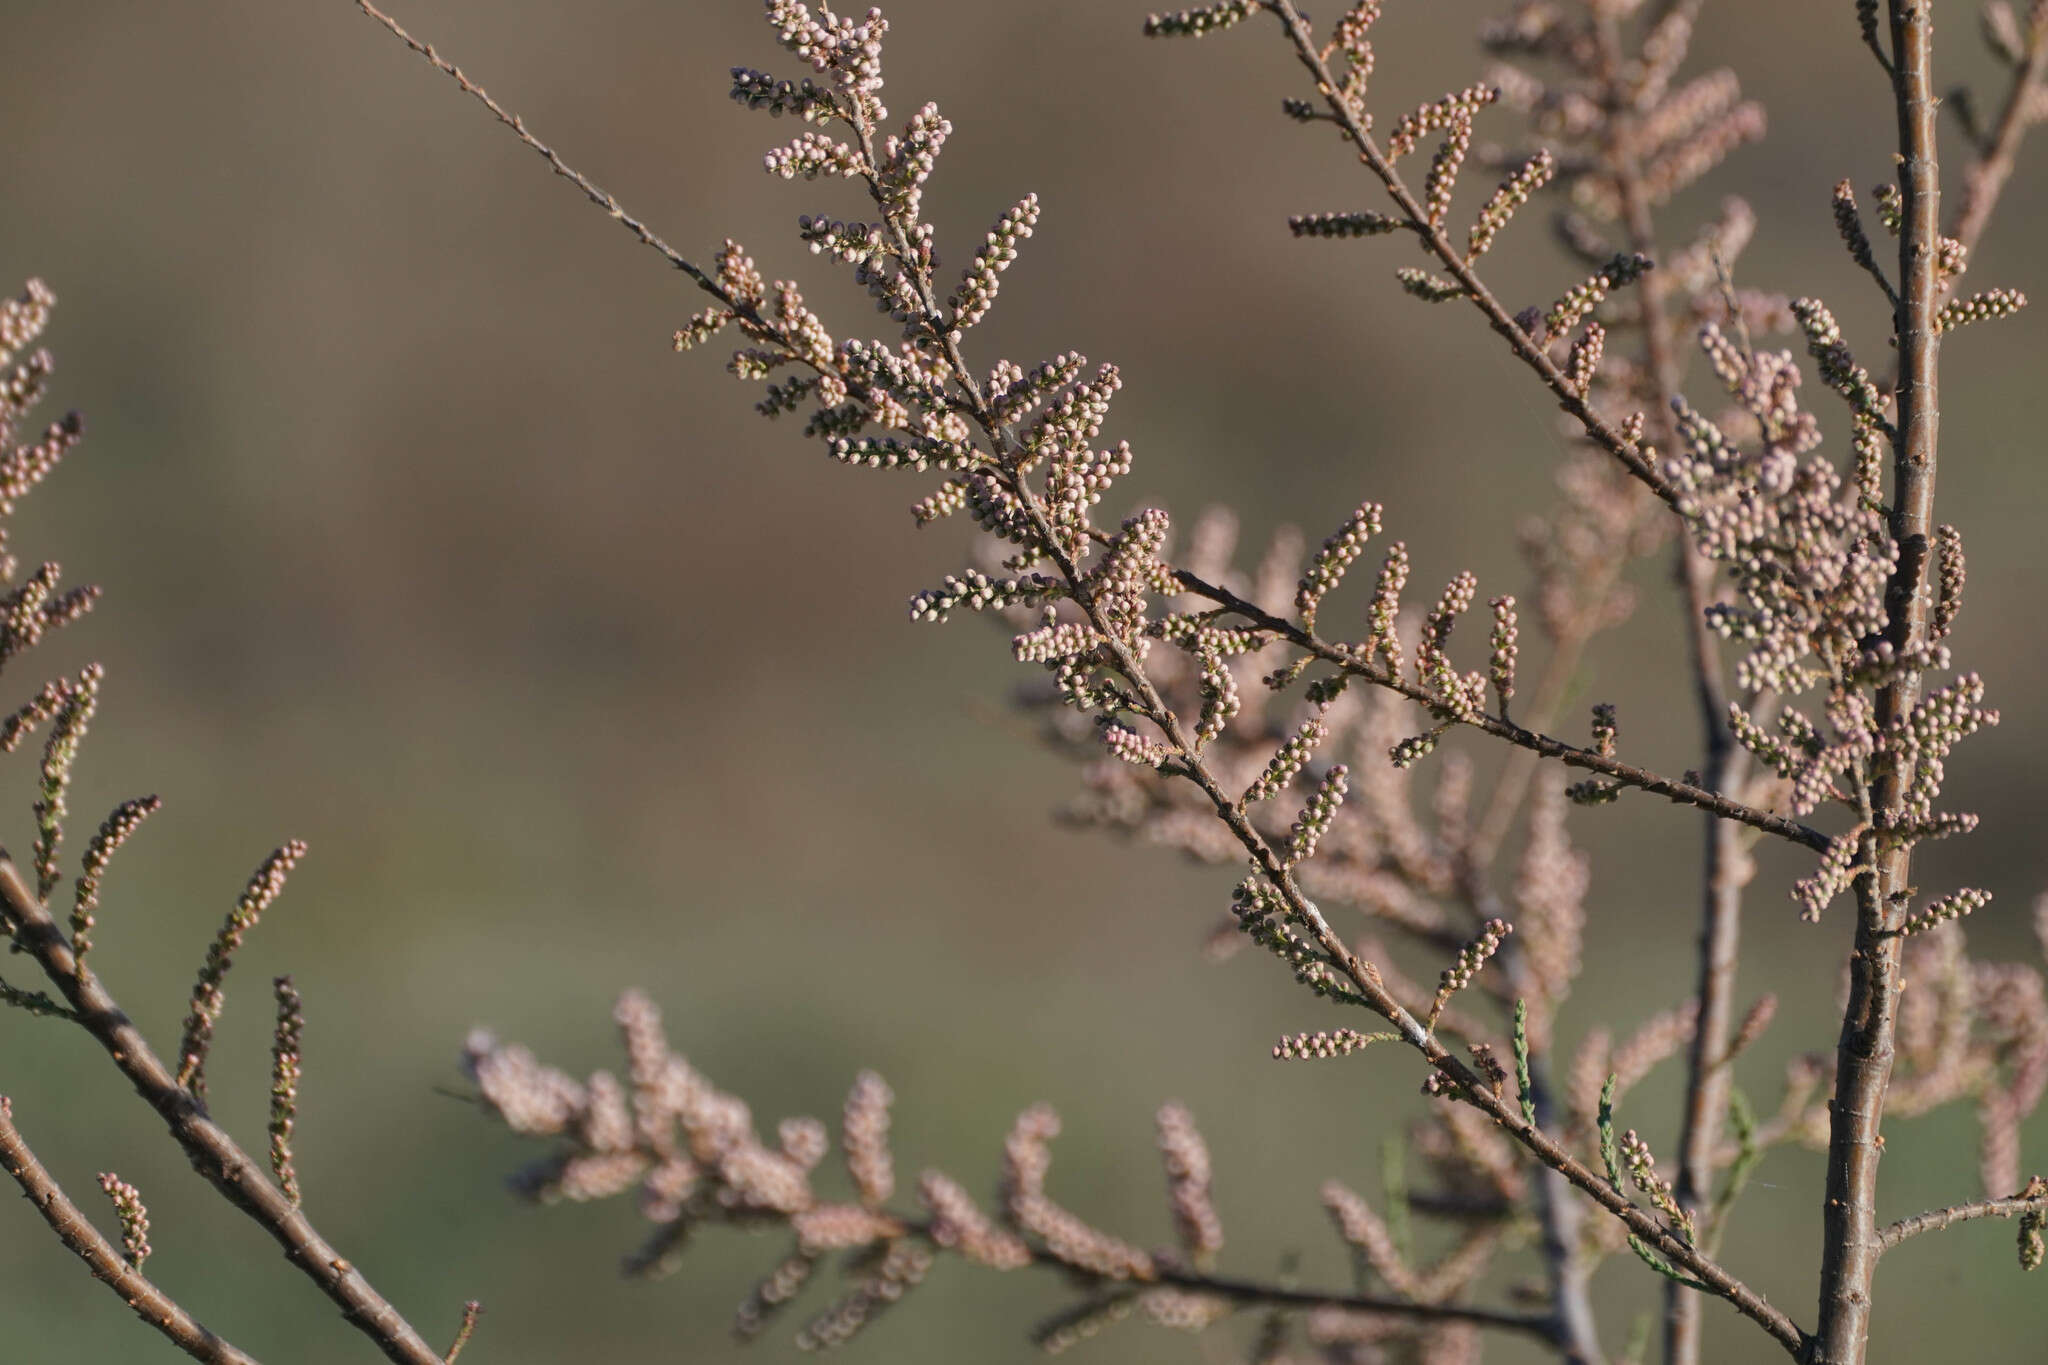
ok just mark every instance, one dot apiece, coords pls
pixel 1724 871
pixel 1724 863
pixel 1863 1065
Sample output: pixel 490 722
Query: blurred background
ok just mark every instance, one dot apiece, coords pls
pixel 421 545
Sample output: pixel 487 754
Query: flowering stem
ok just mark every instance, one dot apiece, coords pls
pixel 1851 1243
pixel 238 1176
pixel 1432 236
pixel 1934 1220
pixel 77 1232
pixel 1708 1080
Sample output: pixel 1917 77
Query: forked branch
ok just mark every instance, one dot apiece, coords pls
pixel 214 1154
pixel 85 1241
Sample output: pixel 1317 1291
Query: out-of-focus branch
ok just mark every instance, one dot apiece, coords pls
pixel 1708 1081
pixel 1985 180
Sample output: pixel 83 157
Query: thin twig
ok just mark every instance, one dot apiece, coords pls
pixel 77 1232
pixel 1524 346
pixel 555 163
pixel 214 1154
pixel 471 1311
pixel 1934 1220
pixel 1544 746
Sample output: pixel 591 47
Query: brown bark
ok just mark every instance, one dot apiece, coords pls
pixel 1851 1242
pixel 215 1155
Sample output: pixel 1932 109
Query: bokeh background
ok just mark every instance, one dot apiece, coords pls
pixel 421 545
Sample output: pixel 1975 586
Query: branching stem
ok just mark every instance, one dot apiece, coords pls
pixel 239 1177
pixel 1850 1240
pixel 77 1232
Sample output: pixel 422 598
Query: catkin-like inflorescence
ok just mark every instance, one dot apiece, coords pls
pixel 133 1216
pixel 23 379
pixel 958 1223
pixel 902 1268
pixel 1200 21
pixel 1582 364
pixel 60 753
pixel 977 292
pixel 1360 1226
pixel 772 1294
pixel 1359 224
pixel 1288 759
pixel 1501 667
pixel 825 1228
pixel 1642 1170
pixel 1950 575
pixel 1382 617
pixel 1027 1156
pixel 1317 816
pixel 864 1133
pixel 1838 367
pixel 1055 640
pixel 1140 751
pixel 1979 307
pixel 759 90
pixel 1186 1158
pixel 811 155
pixel 1220 700
pixel 1427 287
pixel 1326 570
pixel 1582 298
pixel 1442 181
pixel 1551 880
pixel 113 832
pixel 852 243
pixel 1849 226
pixel 1460 695
pixel 976 591
pixel 1326 1043
pixel 208 993
pixel 1753 1025
pixel 1919 745
pixel 284 1085
pixel 1408 752
pixel 1471 958
pixel 31 612
pixel 1443 112
pixel 1840 864
pixel 1953 906
pixel 1513 192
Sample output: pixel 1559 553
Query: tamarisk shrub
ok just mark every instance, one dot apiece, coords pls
pixel 1303 714
pixel 1248 714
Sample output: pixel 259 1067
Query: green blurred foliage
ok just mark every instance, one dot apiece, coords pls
pixel 421 545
